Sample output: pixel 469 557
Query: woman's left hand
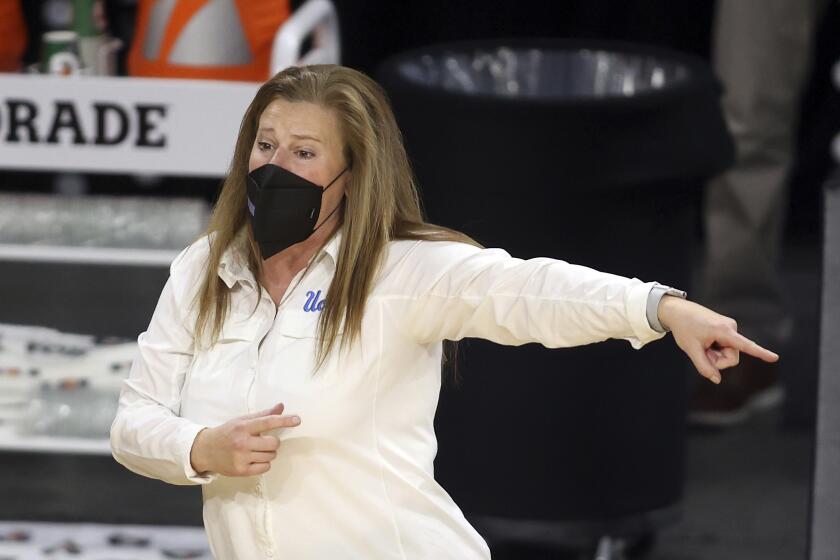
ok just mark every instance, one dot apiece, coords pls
pixel 710 340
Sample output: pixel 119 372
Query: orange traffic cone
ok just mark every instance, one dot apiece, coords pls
pixel 205 39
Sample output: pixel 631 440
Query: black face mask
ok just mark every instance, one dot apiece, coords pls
pixel 284 207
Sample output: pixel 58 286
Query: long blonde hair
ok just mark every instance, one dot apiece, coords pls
pixel 381 203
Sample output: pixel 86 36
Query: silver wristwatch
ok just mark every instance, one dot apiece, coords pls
pixel 653 299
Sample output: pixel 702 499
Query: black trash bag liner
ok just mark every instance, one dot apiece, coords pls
pixel 591 152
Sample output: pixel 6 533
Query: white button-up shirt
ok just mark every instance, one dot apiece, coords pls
pixel 355 479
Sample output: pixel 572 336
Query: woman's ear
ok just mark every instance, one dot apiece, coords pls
pixel 347 182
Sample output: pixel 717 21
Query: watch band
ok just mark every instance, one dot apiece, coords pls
pixel 654 297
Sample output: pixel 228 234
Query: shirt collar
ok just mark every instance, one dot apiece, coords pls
pixel 333 245
pixel 233 266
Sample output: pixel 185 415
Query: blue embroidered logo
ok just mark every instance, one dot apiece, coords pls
pixel 312 303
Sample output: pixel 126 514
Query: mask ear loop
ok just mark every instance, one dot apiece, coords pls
pixel 324 189
pixel 326 219
pixel 337 206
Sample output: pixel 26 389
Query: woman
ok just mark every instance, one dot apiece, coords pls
pixel 292 366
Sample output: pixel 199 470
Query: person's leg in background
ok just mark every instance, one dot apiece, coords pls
pixel 762 52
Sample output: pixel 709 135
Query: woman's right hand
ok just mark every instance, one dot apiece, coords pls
pixel 237 447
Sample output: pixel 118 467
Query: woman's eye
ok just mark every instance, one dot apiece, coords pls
pixel 264 146
pixel 305 154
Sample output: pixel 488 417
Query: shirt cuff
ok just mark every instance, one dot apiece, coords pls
pixel 191 474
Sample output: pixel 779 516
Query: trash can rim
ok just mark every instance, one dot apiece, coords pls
pixel 699 77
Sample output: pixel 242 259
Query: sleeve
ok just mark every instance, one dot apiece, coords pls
pixel 453 290
pixel 147 435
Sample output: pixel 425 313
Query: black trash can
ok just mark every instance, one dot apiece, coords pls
pixel 594 153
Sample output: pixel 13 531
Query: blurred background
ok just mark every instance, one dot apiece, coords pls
pixel 694 143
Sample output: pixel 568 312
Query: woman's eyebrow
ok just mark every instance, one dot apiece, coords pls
pixel 306 137
pixel 295 136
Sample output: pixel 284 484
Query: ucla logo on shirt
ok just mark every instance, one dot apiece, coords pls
pixel 312 303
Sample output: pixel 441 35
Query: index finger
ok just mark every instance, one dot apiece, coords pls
pixel 266 423
pixel 744 344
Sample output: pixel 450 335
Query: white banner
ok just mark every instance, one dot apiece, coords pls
pixel 120 125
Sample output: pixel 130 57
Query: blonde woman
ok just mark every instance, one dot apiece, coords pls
pixel 293 364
